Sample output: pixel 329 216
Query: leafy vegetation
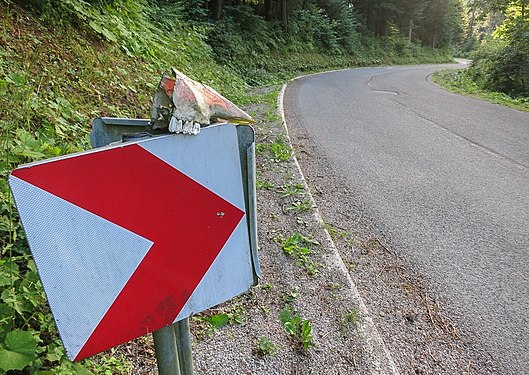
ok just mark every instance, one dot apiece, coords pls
pixel 300 205
pixel 293 189
pixel 207 323
pixel 300 248
pixel 337 233
pixel 349 319
pixel 266 347
pixel 279 149
pixel 64 62
pixel 461 81
pixel 298 328
pixel 498 43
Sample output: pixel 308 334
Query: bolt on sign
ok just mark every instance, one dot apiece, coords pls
pixel 136 236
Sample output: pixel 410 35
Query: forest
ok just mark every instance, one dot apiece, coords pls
pixel 499 33
pixel 64 62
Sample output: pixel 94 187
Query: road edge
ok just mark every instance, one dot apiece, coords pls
pixel 381 360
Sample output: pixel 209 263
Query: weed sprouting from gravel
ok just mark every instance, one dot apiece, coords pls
pixel 300 248
pixel 207 323
pixel 279 150
pixel 337 233
pixel 291 295
pixel 298 328
pixel 266 347
pixel 261 184
pixel 267 286
pixel 299 205
pixel 295 189
pixel 351 318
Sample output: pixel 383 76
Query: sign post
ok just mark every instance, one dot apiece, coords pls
pixel 133 237
pixel 166 349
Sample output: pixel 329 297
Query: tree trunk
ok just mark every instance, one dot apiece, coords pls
pixel 410 30
pixel 434 35
pixel 217 9
pixel 284 15
pixel 268 10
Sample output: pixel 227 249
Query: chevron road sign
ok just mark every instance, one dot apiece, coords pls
pixel 133 237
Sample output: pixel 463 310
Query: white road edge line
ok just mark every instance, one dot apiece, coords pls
pixel 381 360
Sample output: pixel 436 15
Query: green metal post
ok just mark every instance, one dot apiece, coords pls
pixel 183 345
pixel 166 351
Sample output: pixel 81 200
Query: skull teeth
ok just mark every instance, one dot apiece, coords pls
pixel 175 125
pixel 184 127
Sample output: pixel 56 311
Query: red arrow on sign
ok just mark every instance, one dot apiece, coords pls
pixel 136 190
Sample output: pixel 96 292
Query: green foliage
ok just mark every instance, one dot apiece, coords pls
pixel 113 364
pixel 207 323
pixel 242 39
pixel 217 321
pixel 266 347
pixel 91 59
pixel 291 295
pixel 502 64
pixel 298 328
pixel 17 350
pixel 300 205
pixel 463 82
pixel 294 189
pixel 351 318
pixel 279 149
pixel 337 233
pixel 501 61
pixel 300 248
pixel 233 315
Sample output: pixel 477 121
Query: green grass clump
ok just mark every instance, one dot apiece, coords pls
pixel 266 347
pixel 461 82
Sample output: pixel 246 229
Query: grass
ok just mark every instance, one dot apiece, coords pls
pixel 281 149
pixel 300 205
pixel 460 82
pixel 337 233
pixel 293 189
pixel 278 150
pixel 351 318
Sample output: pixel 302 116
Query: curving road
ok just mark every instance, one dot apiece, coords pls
pixel 445 177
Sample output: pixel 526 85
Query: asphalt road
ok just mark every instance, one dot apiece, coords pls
pixel 445 178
